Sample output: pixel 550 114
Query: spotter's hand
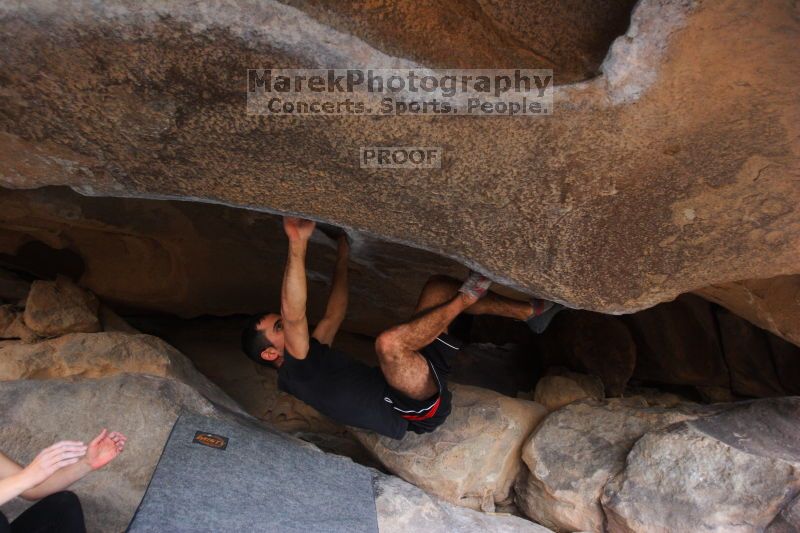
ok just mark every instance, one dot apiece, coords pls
pixel 105 448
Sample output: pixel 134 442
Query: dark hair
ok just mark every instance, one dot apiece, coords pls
pixel 254 341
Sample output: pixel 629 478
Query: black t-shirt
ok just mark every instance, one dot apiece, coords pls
pixel 342 388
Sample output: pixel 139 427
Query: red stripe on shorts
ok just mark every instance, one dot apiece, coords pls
pixel 427 415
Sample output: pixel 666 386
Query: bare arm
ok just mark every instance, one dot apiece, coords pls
pixel 337 301
pixel 102 450
pixel 57 467
pixel 294 289
pixel 12 484
pixel 59 481
pixel 17 481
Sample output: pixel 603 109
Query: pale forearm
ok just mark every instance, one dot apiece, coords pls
pixel 13 486
pixel 59 481
pixel 294 290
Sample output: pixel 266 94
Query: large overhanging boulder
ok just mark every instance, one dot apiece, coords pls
pixel 670 172
pixel 93 355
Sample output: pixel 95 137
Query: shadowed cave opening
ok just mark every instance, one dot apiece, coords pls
pixel 191 273
pixel 37 260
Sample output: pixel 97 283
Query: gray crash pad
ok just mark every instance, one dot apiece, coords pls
pixel 223 475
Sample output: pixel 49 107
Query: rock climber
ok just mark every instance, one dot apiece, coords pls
pixel 408 392
pixel 45 479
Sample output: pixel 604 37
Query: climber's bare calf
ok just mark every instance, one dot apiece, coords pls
pixel 440 288
pixel 536 313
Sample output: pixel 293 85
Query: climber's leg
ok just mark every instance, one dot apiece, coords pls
pixel 536 313
pixel 543 313
pixel 398 348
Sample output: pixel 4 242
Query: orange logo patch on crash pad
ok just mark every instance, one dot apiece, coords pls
pixel 212 441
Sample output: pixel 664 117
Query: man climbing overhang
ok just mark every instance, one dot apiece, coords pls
pixel 408 391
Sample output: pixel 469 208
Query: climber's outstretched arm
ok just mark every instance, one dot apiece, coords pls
pixel 294 289
pixel 337 301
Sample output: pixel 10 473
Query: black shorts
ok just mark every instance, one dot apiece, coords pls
pixel 426 415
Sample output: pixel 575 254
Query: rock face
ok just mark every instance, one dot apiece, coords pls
pixel 749 358
pixel 13 289
pixel 624 465
pixel 577 450
pixel 93 355
pixel 788 521
pixel 649 181
pixel 470 460
pixel 112 322
pixel 558 389
pixel 591 343
pixel 57 307
pixel 786 358
pixel 688 343
pixel 677 343
pixel 772 304
pixel 735 471
pixel 402 507
pixel 12 324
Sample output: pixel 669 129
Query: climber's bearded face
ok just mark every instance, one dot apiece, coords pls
pixel 272 328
